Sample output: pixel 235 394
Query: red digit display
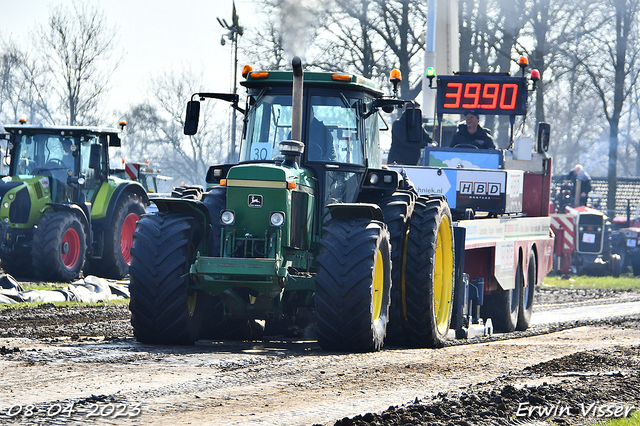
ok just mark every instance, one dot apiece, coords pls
pixel 455 95
pixel 471 93
pixel 505 101
pixel 491 94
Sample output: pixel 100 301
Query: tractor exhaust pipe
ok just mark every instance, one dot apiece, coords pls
pixel 296 101
pixel 292 149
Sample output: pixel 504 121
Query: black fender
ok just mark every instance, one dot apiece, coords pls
pixel 347 211
pixel 195 208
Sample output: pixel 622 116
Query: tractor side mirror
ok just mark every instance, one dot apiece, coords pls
pixel 544 131
pixel 94 157
pixel 414 125
pixel 192 118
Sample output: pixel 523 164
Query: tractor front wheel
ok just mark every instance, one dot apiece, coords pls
pixel 59 247
pixel 430 274
pixel 163 308
pixel 353 285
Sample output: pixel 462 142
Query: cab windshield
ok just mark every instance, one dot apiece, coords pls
pixel 40 153
pixel 331 131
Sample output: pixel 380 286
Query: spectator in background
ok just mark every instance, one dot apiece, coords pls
pixel 471 135
pixel 579 174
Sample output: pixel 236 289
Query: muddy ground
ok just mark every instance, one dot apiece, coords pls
pixel 82 366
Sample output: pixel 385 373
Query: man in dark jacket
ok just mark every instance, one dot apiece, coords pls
pixel 579 174
pixel 472 134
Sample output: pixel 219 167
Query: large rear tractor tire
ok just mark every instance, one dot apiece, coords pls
pixel 526 294
pixel 429 283
pixel 503 306
pixel 59 247
pixel 353 285
pixel 118 239
pixel 397 211
pixel 163 309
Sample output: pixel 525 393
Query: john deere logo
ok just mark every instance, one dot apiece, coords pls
pixel 255 201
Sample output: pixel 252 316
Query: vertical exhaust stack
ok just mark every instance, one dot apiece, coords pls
pixel 293 149
pixel 296 101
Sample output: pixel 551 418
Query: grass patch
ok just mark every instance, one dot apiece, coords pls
pixel 624 282
pixel 63 304
pixel 633 420
pixel 43 286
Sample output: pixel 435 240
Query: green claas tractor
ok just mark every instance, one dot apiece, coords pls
pixel 308 231
pixel 61 210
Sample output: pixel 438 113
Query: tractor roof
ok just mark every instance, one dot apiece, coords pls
pixel 33 129
pixel 328 79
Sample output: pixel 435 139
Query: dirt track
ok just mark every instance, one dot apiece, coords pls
pixel 82 359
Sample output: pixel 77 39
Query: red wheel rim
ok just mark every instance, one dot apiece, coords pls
pixel 126 236
pixel 70 248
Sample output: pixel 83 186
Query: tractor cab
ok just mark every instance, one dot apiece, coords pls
pixel 70 162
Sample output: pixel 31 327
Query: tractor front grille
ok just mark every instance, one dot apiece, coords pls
pixel 590 233
pixel 20 207
pixel 248 246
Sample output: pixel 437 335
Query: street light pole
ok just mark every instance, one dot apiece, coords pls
pixel 235 31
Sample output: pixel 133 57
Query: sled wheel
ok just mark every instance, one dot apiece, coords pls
pixel 503 306
pixel 353 285
pixel 526 294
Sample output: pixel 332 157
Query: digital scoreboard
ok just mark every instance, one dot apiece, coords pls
pixel 485 94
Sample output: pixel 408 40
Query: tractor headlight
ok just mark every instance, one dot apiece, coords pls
pixel 276 219
pixel 373 178
pixel 227 217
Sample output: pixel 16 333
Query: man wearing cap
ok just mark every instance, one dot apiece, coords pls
pixel 470 134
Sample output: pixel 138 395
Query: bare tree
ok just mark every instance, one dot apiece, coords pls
pixel 155 130
pixel 610 59
pixel 23 87
pixel 77 46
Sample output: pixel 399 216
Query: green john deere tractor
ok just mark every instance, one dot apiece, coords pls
pixel 307 232
pixel 60 206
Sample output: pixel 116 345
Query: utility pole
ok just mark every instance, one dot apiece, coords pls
pixel 235 31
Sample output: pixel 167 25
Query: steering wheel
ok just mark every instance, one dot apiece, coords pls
pixel 56 161
pixel 465 145
pixel 49 165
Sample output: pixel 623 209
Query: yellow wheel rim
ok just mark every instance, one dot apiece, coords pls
pixel 191 302
pixel 378 285
pixel 443 276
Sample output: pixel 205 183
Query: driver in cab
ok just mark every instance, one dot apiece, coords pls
pixel 471 135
